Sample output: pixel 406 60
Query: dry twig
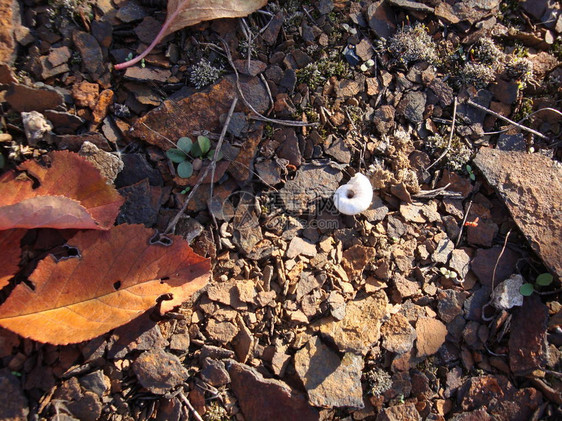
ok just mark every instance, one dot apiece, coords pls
pixel 501 117
pixel 190 406
pixel 259 116
pixel 448 148
pixel 211 167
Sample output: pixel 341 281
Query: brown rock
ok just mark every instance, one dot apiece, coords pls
pixel 289 146
pixel 497 395
pixel 360 328
pixel 7 42
pixel 267 399
pixel 402 412
pixel 108 164
pixel 74 142
pixel 404 288
pixel 159 371
pixel 355 259
pixel 198 111
pixel 85 94
pixel 243 342
pixel 90 51
pixel 310 184
pixel 214 372
pixel 482 234
pixel 256 67
pixel 485 259
pixel 84 405
pixel 24 98
pixel 531 186
pixel 397 334
pixel 242 166
pixel 222 332
pixel 329 381
pixel 384 118
pixel 431 335
pixel 527 341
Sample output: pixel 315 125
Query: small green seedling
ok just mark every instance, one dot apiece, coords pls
pixel 543 280
pixel 186 149
pixel 470 172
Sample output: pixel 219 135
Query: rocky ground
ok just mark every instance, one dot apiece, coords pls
pixel 408 310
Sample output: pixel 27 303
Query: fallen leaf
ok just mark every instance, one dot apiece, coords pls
pixel 71 193
pixel 193 12
pixel 116 276
pixel 184 13
pixel 10 252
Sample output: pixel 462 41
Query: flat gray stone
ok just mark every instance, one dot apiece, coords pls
pixel 311 184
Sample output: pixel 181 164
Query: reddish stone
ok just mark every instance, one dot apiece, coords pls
pixel 527 342
pixel 267 399
pixel 531 187
pixel 199 111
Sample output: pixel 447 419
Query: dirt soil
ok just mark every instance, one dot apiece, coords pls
pixel 409 309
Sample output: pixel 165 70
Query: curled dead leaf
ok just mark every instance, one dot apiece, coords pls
pixel 65 192
pixel 116 276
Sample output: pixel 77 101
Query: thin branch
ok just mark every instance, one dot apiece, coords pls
pixel 446 151
pixel 501 117
pixel 463 222
pixel 259 116
pixel 219 145
pixel 190 406
pixel 211 167
pixel 526 118
pixel 499 257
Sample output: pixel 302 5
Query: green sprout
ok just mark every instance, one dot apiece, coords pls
pixel 543 280
pixel 470 172
pixel 186 149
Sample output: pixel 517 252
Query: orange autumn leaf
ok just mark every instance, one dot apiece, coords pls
pixel 116 276
pixel 10 252
pixel 65 192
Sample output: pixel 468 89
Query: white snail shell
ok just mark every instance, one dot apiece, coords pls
pixel 355 196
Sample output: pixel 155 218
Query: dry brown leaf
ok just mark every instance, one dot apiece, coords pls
pixel 184 13
pixel 116 277
pixel 193 12
pixel 10 252
pixel 71 193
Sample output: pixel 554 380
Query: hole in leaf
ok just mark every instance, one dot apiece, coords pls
pixel 117 285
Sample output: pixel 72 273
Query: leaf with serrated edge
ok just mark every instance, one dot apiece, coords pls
pixel 71 193
pixel 10 252
pixel 117 276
